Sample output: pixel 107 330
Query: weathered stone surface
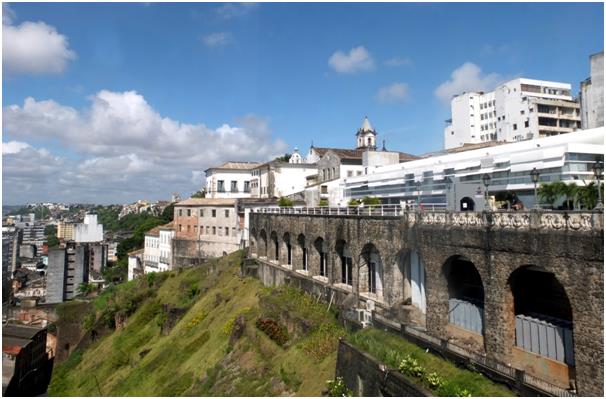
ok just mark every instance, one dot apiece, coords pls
pixel 574 255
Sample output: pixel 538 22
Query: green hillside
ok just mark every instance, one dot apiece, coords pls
pixel 196 358
pixel 207 331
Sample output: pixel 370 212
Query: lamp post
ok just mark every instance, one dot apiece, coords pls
pixel 534 176
pixel 597 172
pixel 449 184
pixel 486 180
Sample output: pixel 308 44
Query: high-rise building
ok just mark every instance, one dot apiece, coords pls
pixel 521 109
pixel 65 230
pixel 592 94
pixel 68 267
pixel 89 230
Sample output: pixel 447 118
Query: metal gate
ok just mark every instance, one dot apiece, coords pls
pixel 547 336
pixel 467 314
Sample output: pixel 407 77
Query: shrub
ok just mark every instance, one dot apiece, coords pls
pixel 323 341
pixel 337 388
pixel 88 322
pixel 409 365
pixel 323 202
pixel 434 380
pixel 274 331
pixel 354 202
pixel 285 202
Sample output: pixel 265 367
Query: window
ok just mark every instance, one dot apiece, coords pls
pixel 246 186
pixel 227 232
pixel 220 232
pixel 234 186
pixel 526 123
pixel 201 213
pixel 515 126
pixel 189 212
pixel 324 189
pixel 180 212
pixel 221 186
pixel 522 112
pixel 188 228
pixel 359 173
pixel 201 230
pixel 349 173
pixel 180 228
pixel 227 213
pixel 214 213
pixel 207 230
pixel 214 231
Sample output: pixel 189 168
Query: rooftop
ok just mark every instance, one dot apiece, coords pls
pixel 357 154
pixel 19 331
pixel 232 165
pixel 207 201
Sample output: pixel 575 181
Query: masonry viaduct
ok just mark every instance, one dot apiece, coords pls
pixel 411 266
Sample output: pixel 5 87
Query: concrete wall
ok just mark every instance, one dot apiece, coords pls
pixel 592 94
pixel 575 257
pixel 56 274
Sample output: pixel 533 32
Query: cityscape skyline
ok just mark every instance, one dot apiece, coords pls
pixel 108 116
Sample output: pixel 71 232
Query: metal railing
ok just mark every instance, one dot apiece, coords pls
pixel 368 210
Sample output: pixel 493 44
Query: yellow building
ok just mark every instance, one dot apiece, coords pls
pixel 65 231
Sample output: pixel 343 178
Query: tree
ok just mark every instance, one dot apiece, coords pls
pixel 199 194
pixel 547 192
pixel 283 158
pixel 85 288
pixel 285 202
pixel 168 213
pixel 323 202
pixel 50 230
pixel 368 201
pixel 52 241
pixel 354 202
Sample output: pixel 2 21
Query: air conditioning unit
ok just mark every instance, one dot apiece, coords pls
pixel 364 317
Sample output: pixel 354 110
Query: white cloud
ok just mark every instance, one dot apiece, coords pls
pixel 396 92
pixel 33 48
pixel 357 60
pixel 233 10
pixel 126 149
pixel 397 61
pixel 13 147
pixel 468 77
pixel 217 39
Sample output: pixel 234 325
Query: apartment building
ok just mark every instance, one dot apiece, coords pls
pixel 151 254
pixel 68 267
pixel 521 109
pixel 65 230
pixel 89 230
pixel 592 94
pixel 277 179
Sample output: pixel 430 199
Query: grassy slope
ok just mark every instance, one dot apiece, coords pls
pixel 140 361
pixel 195 358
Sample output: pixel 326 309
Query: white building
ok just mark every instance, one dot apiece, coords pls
pixel 454 178
pixel 230 180
pixel 592 94
pixel 89 230
pixel 165 246
pixel 277 179
pixel 520 109
pixel 135 264
pixel 151 251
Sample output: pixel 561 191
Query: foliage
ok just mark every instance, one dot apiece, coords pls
pixel 367 201
pixel 285 202
pixel 284 158
pixel 409 365
pixel 434 380
pixel 198 194
pixel 85 288
pixel 168 213
pixel 52 241
pixel 337 388
pixel 354 202
pixel 50 230
pixel 323 202
pixel 274 331
pixel 323 341
pixel 582 196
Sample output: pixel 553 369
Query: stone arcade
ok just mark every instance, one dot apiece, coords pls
pixel 524 289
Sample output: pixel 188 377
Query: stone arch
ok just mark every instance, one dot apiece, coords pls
pixel 273 250
pixel 541 323
pixel 371 272
pixel 409 277
pixel 286 251
pixel 253 241
pixel 344 272
pixel 467 204
pixel 302 253
pixel 262 243
pixel 320 257
pixel 465 294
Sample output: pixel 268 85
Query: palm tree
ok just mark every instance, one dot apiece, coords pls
pixel 547 193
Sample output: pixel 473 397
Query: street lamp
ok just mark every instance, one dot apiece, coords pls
pixel 597 172
pixel 534 176
pixel 449 183
pixel 486 180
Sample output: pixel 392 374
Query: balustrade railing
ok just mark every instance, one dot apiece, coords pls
pixel 437 215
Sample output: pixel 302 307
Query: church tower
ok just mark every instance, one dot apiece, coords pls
pixel 366 136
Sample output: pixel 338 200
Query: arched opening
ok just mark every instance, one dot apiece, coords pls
pixel 322 252
pixel 274 242
pixel 465 294
pixel 287 248
pixel 543 324
pixel 467 204
pixel 253 241
pixel 263 243
pixel 346 262
pixel 303 249
pixel 371 271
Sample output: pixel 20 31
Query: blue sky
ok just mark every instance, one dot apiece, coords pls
pixel 263 77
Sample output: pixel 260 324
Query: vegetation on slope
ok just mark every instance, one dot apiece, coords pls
pixel 214 349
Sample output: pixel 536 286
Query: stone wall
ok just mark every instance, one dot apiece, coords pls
pixel 574 255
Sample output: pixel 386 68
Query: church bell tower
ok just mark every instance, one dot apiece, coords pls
pixel 366 136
